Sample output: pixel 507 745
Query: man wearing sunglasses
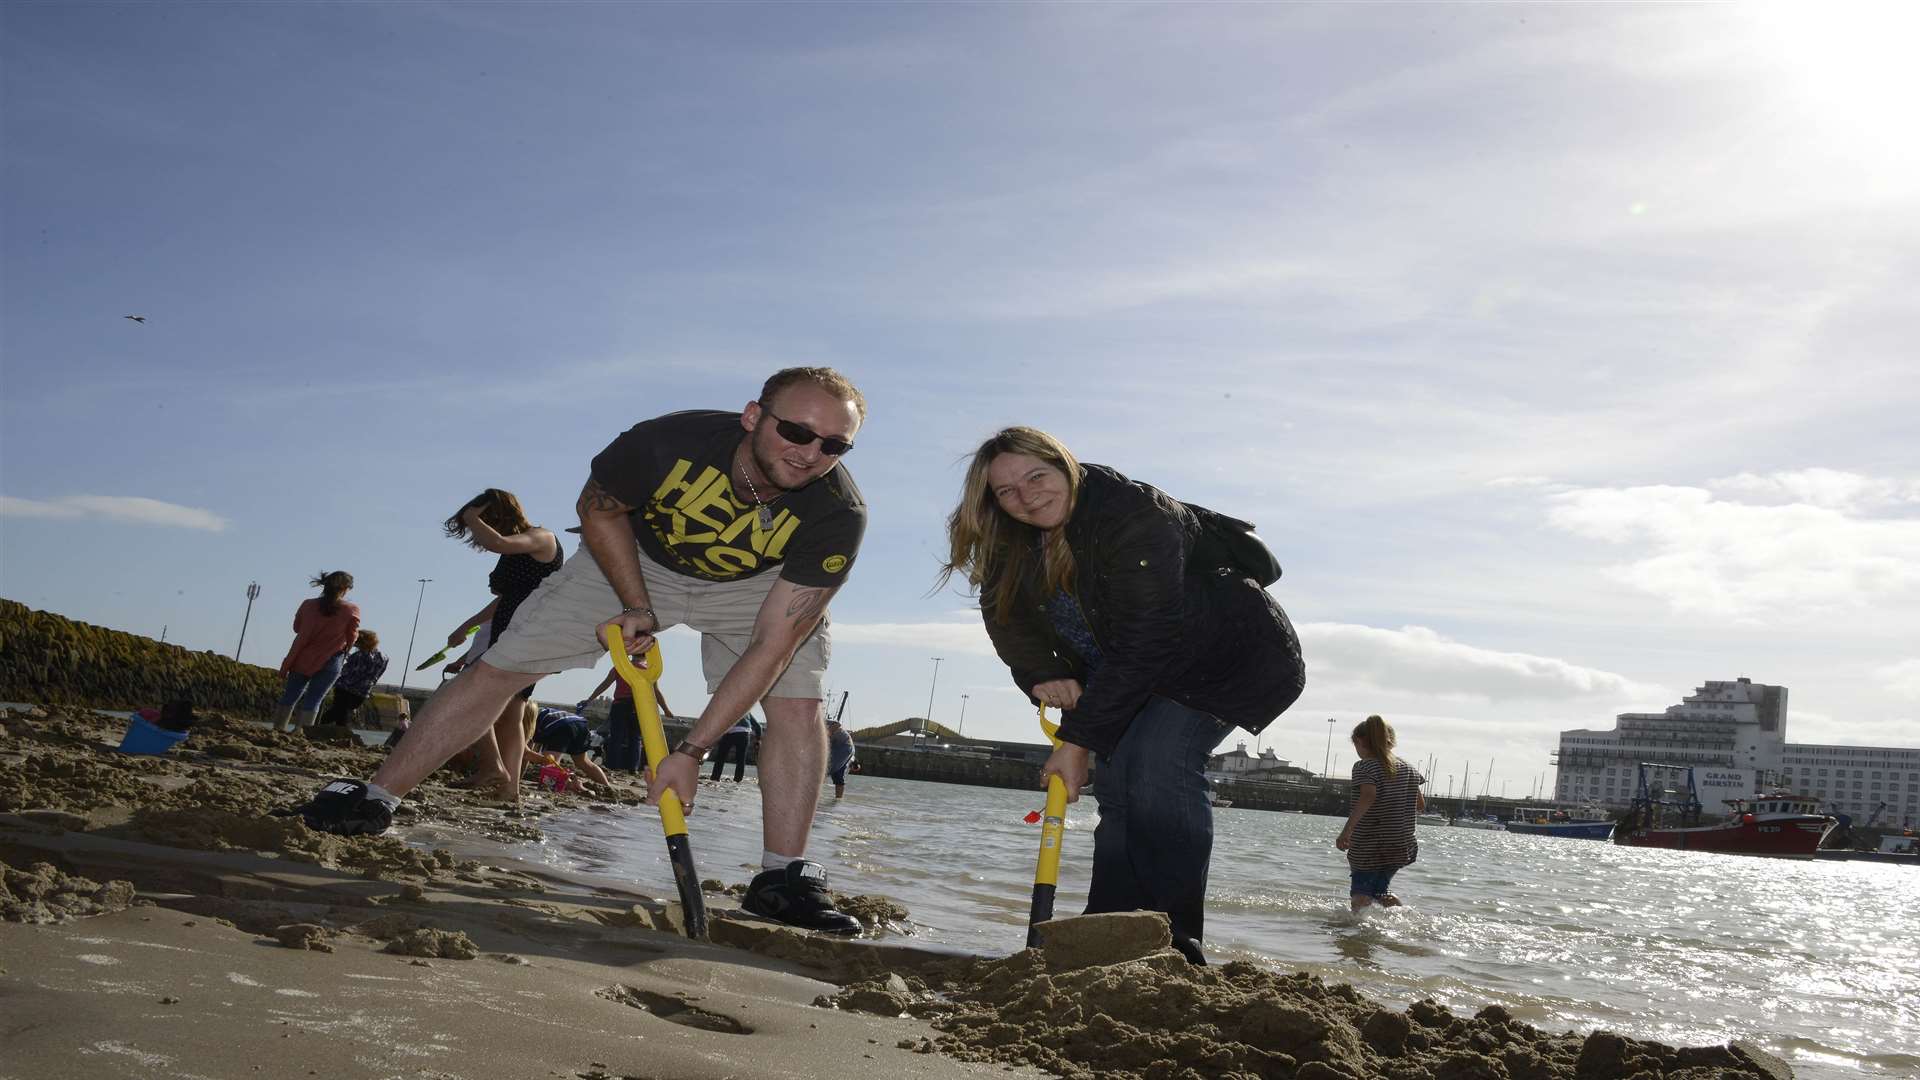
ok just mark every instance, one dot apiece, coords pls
pixel 741 525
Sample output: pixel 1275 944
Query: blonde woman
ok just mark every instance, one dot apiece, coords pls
pixel 1115 604
pixel 1379 837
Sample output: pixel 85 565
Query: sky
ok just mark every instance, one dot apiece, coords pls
pixel 1555 350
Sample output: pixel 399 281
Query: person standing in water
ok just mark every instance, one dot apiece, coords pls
pixel 1379 837
pixel 839 755
pixel 1127 611
pixel 735 743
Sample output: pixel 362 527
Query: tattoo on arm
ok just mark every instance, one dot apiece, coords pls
pixel 807 604
pixel 598 499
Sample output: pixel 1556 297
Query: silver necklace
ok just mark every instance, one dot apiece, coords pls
pixel 764 512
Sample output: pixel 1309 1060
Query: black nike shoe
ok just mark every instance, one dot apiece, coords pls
pixel 797 896
pixel 344 808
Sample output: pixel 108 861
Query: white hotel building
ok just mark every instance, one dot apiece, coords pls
pixel 1734 734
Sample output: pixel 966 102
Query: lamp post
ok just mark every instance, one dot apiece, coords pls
pixel 253 593
pixel 963 714
pixel 930 686
pixel 407 668
pixel 1328 759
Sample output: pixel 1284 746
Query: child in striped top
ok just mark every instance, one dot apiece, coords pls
pixel 1379 837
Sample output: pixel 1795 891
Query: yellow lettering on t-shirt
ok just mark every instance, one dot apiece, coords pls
pixel 777 546
pixel 677 481
pixel 783 522
pixel 717 497
pixel 725 562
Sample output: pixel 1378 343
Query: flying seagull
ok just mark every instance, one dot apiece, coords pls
pixel 135 318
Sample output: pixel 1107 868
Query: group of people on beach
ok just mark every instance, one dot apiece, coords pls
pixel 1144 620
pixel 330 652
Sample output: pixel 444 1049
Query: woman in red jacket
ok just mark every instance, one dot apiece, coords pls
pixel 323 630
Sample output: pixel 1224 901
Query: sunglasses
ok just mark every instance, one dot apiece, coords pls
pixel 802 435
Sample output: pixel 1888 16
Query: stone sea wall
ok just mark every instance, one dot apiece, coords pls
pixel 51 659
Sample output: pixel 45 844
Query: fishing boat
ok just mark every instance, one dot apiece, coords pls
pixel 1488 822
pixel 1588 823
pixel 1430 818
pixel 1221 801
pixel 1781 824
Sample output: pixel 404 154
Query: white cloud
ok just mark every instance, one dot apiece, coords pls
pixel 1821 487
pixel 1902 679
pixel 129 508
pixel 958 637
pixel 1417 660
pixel 1746 561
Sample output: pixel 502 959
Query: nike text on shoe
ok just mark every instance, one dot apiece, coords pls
pixel 797 895
pixel 343 809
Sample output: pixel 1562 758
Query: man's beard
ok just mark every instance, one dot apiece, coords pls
pixel 765 464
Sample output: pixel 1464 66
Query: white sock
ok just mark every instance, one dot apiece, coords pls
pixel 770 860
pixel 375 791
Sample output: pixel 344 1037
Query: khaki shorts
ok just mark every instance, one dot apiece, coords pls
pixel 553 629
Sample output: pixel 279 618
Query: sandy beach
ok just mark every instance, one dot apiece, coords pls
pixel 160 921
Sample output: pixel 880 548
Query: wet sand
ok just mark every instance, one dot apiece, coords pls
pixel 159 921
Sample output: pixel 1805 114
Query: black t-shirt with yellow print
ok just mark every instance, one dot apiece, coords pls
pixel 677 472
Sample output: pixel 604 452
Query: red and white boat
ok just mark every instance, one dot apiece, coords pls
pixel 1781 825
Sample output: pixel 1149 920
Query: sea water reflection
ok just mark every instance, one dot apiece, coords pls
pixel 1817 961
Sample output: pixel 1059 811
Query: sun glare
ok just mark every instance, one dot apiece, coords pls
pixel 1850 66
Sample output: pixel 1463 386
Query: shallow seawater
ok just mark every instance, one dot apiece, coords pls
pixel 1817 961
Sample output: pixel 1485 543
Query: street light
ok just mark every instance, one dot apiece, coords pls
pixel 407 667
pixel 936 682
pixel 253 593
pixel 963 714
pixel 1324 761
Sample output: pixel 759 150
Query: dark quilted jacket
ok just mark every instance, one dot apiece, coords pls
pixel 1211 640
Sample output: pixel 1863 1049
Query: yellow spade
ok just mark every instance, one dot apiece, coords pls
pixel 673 821
pixel 1053 829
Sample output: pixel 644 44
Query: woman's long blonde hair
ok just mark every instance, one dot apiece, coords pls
pixel 1377 736
pixel 991 550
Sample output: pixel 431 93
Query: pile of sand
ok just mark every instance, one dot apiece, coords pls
pixel 1108 999
pixel 43 894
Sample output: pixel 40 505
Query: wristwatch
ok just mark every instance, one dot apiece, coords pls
pixel 692 749
pixel 642 610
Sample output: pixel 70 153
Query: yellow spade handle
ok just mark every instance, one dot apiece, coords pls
pixel 1053 822
pixel 640 681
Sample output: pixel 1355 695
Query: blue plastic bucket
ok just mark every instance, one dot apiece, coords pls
pixel 144 738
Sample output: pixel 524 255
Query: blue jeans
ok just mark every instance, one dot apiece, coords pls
pixel 622 750
pixel 1155 838
pixel 1373 883
pixel 308 690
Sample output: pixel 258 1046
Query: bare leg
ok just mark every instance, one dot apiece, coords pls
pixel 451 720
pixel 488 774
pixel 1359 902
pixel 510 733
pixel 792 759
pixel 594 772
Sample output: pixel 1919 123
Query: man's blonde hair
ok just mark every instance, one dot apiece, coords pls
pixel 823 377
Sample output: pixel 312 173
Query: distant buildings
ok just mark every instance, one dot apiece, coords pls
pixel 1237 764
pixel 1734 734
